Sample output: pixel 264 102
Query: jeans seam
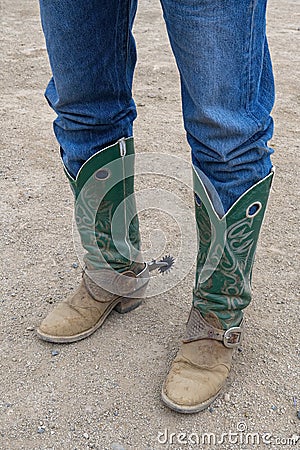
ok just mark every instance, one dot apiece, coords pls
pixel 126 40
pixel 249 66
pixel 250 53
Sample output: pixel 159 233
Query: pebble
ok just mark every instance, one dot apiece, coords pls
pixel 117 447
pixel 55 352
pixel 75 265
pixel 274 408
pixel 227 398
pixel 41 430
pixel 30 329
pixel 85 435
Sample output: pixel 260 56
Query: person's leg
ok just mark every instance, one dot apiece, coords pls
pixel 92 57
pixel 227 89
pixel 227 94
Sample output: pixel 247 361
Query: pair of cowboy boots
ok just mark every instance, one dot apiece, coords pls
pixel 115 276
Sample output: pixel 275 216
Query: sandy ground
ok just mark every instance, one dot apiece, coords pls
pixel 104 392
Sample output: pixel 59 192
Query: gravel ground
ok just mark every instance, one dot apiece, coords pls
pixel 104 392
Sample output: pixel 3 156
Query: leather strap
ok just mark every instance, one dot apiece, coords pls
pixel 107 284
pixel 197 328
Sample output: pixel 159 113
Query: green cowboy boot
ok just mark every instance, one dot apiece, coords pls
pixel 222 290
pixel 115 276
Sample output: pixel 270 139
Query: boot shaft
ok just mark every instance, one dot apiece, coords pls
pixel 226 252
pixel 105 208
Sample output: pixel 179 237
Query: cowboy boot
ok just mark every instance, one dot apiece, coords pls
pixel 222 290
pixel 115 276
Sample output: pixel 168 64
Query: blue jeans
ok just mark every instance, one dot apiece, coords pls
pixel 226 76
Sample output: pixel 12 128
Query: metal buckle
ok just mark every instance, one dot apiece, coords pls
pixel 232 337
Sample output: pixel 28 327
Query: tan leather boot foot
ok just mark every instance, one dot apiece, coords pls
pixel 83 313
pixel 201 366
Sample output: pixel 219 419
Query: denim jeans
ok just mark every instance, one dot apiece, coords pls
pixel 227 86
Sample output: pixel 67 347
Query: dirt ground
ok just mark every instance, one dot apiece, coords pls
pixel 104 392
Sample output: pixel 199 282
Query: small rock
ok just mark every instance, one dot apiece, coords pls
pixel 115 446
pixel 30 329
pixel 41 430
pixel 227 398
pixel 211 409
pixel 75 265
pixel 298 414
pixel 85 435
pixel 273 407
pixel 55 352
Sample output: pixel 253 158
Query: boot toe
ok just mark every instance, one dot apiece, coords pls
pixel 193 387
pixel 61 322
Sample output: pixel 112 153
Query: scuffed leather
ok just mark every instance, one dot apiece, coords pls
pixel 76 314
pixel 199 370
pixel 198 373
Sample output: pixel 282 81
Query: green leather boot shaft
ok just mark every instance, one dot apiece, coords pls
pixel 105 208
pixel 226 251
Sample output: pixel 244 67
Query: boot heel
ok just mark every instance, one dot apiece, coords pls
pixel 128 304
